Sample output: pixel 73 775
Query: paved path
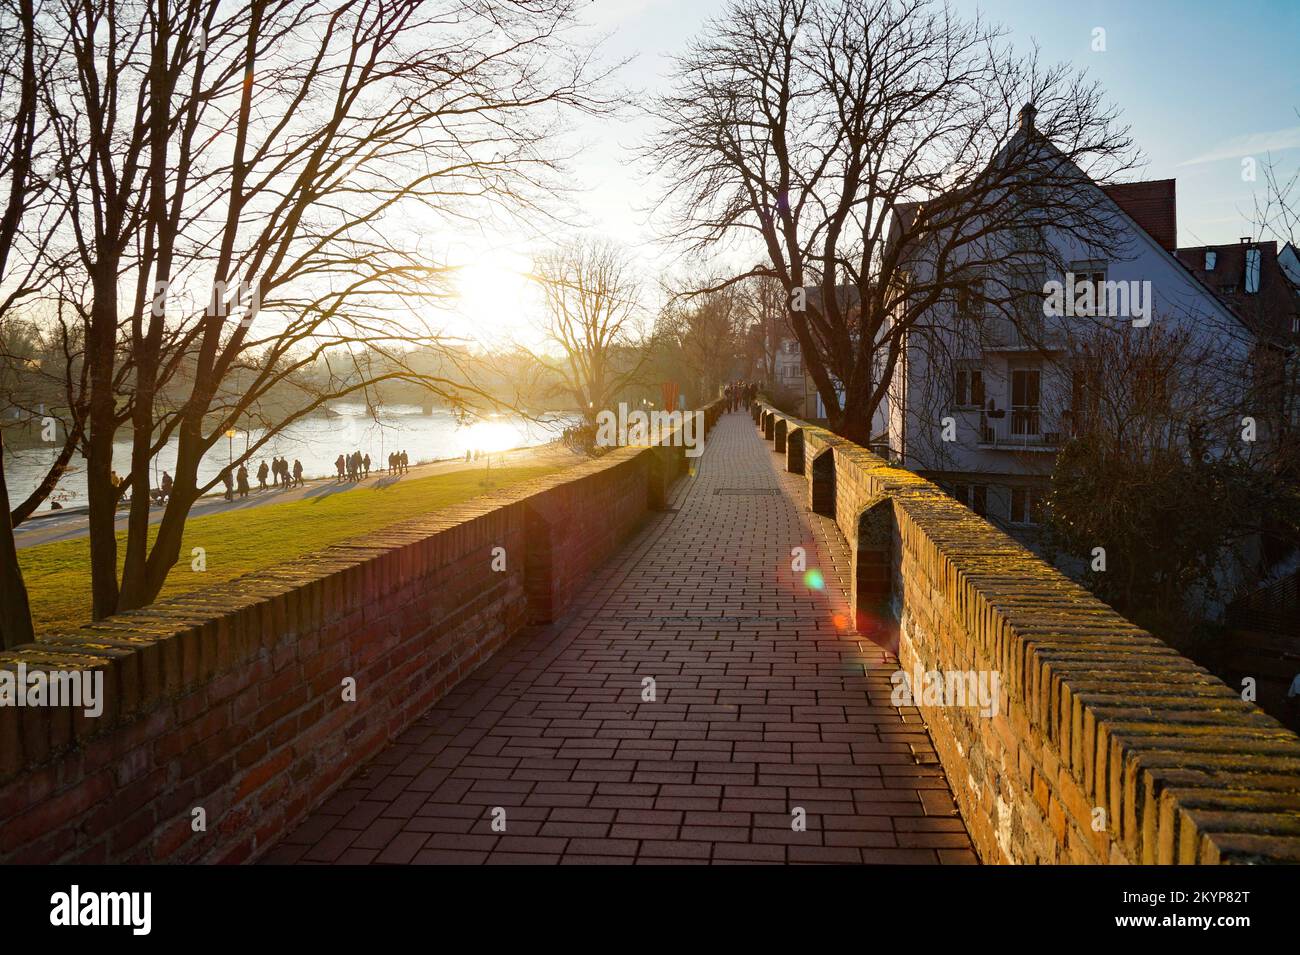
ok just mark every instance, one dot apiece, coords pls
pixel 764 704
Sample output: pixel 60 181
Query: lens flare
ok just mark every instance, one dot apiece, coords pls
pixel 814 580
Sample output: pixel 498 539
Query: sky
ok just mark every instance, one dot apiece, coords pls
pixel 1203 85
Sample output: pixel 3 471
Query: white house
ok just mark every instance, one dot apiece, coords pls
pixel 982 401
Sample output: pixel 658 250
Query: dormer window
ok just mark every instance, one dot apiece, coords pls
pixel 1210 258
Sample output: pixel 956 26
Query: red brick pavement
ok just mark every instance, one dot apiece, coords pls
pixel 763 704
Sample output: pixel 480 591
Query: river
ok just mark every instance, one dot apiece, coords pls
pixel 316 441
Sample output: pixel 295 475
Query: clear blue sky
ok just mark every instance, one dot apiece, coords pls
pixel 1195 79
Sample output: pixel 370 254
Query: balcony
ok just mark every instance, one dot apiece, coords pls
pixel 1022 431
pixel 1001 334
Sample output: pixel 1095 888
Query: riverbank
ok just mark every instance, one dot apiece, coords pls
pixel 271 527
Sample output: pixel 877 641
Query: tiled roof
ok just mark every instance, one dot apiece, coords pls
pixel 1269 310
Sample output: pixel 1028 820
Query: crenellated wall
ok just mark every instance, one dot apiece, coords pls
pixel 232 701
pixel 1106 745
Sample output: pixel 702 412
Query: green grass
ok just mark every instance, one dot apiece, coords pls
pixel 240 542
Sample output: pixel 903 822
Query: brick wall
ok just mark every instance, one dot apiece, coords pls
pixel 1106 745
pixel 231 700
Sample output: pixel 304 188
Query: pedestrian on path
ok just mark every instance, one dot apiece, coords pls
pixel 339 463
pixel 365 464
pixel 297 472
pixel 241 477
pixel 406 463
pixel 262 472
pixel 229 482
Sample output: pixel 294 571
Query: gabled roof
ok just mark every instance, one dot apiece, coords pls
pixel 1152 200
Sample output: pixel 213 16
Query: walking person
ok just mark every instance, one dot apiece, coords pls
pixel 165 486
pixel 406 463
pixel 297 472
pixel 241 481
pixel 365 464
pixel 229 482
pixel 262 472
pixel 338 463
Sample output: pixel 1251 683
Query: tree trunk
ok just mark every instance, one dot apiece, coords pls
pixel 101 342
pixel 15 611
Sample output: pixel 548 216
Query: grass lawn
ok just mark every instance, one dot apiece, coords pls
pixel 239 542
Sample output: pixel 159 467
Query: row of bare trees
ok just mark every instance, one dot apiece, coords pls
pixel 607 347
pixel 197 194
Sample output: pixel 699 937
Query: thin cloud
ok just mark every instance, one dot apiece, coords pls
pixel 1253 144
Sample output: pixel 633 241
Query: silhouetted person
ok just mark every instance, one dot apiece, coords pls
pixel 340 463
pixel 262 472
pixel 365 465
pixel 165 485
pixel 297 472
pixel 406 463
pixel 229 482
pixel 241 480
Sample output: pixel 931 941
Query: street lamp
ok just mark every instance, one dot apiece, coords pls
pixel 230 448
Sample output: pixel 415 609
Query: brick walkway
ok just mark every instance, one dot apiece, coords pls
pixel 763 705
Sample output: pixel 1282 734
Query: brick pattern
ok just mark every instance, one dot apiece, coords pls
pixel 766 700
pixel 1108 746
pixel 231 700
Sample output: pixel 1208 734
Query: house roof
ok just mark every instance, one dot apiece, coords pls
pixel 1152 205
pixel 1270 310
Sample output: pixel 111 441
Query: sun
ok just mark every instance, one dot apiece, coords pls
pixel 495 300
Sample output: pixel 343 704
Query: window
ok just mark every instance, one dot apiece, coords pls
pixel 1026 505
pixel 969 298
pixel 1025 392
pixel 1027 287
pixel 974 496
pixel 1252 271
pixel 968 387
pixel 1089 282
pixel 1084 394
pixel 1211 257
pixel 1151 382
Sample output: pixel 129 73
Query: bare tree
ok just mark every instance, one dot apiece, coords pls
pixel 19 116
pixel 246 188
pixel 593 316
pixel 876 147
pixel 763 300
pixel 1277 212
pixel 1162 474
pixel 706 330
